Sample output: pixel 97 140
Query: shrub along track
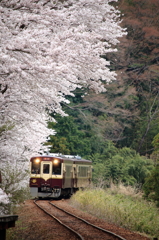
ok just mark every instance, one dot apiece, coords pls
pixel 80 228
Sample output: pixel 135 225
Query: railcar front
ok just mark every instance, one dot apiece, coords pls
pixel 46 176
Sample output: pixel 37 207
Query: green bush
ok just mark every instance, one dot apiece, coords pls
pixel 151 186
pixel 121 165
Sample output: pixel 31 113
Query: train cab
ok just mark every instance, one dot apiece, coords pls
pixel 46 176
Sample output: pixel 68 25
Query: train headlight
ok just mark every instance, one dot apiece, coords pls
pixel 56 161
pixel 37 160
pixel 33 180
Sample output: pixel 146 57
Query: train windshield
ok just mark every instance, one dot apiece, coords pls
pixel 35 167
pixel 56 167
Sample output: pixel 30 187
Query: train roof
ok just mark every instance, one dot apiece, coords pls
pixel 66 157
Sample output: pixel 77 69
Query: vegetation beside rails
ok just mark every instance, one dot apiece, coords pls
pixel 120 206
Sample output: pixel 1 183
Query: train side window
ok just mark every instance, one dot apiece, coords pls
pixel 83 171
pixel 46 168
pixel 68 170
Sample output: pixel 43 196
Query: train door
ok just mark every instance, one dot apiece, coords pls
pixel 67 175
pixel 89 174
pixel 74 175
pixel 46 170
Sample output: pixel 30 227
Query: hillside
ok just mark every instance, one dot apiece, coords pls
pixel 127 113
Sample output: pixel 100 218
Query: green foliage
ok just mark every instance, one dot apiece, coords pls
pixel 151 186
pixel 58 145
pixel 111 164
pixel 98 175
pixel 139 167
pixel 123 165
pixel 113 170
pixel 155 142
pixel 69 138
pixel 136 65
pixel 143 130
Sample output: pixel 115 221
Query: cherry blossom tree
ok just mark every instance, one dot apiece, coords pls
pixel 48 49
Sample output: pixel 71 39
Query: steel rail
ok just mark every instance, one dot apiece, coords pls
pixel 72 230
pixel 83 220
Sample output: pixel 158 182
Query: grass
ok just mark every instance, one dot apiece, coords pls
pixel 121 206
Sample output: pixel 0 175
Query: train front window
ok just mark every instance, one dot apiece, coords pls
pixel 35 167
pixel 56 167
pixel 46 168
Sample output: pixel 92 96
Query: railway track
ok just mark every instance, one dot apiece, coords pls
pixel 79 227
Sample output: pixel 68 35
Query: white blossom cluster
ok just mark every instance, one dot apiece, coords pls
pixel 49 48
pixel 3 198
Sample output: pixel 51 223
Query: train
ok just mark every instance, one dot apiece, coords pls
pixel 56 175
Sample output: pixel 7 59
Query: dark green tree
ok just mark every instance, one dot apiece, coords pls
pixel 69 139
pixel 151 186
